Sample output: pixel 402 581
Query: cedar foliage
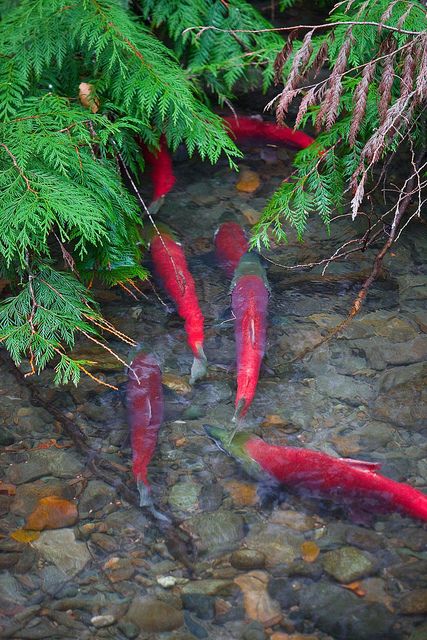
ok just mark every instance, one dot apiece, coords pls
pixel 154 67
pixel 372 102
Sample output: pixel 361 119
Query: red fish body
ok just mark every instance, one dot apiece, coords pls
pixel 160 163
pixel 241 128
pixel 230 245
pixel 337 479
pixel 171 267
pixel 244 128
pixel 249 301
pixel 144 399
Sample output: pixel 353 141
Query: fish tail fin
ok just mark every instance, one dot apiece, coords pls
pixel 199 366
pixel 240 410
pixel 144 493
pixel 156 205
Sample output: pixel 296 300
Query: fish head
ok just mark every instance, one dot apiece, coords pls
pixel 250 265
pixel 234 446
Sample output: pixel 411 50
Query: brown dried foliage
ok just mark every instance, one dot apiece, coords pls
pixel 308 100
pixel 360 98
pixel 421 80
pixel 329 109
pixel 284 54
pixel 388 48
pixel 408 70
pixel 290 90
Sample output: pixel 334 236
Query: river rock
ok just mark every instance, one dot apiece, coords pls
pixel 348 564
pixel 102 621
pixel 343 615
pixel 95 496
pixel 216 530
pixel 45 462
pixel 278 545
pixel 153 615
pixel 258 604
pixel 201 604
pixel 246 559
pixel 60 547
pixel 414 603
pixel 345 388
pixel 28 495
pixel 420 633
pixel 209 587
pixel 184 496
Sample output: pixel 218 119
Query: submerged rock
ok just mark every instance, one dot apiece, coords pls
pixel 60 547
pixel 154 616
pixel 258 604
pixel 184 496
pixel 348 564
pixel 216 530
pixel 246 559
pixel 345 616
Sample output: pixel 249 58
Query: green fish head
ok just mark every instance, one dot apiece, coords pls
pixel 250 265
pixel 235 447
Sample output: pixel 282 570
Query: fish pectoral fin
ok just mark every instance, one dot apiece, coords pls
pixel 150 412
pixel 362 464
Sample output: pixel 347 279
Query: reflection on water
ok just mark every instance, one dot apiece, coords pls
pixel 241 560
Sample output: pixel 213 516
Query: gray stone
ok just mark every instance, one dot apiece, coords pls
pixel 395 376
pixel 52 579
pixel 246 559
pixel 95 496
pixel 345 388
pixel 210 587
pixel 254 631
pixel 129 629
pixel 216 530
pixel 348 564
pixel 343 615
pixel 279 546
pixel 197 629
pixel 45 462
pixel 60 547
pixel 102 621
pixel 153 615
pixel 202 605
pixel 184 496
pixel 213 392
pixel 10 594
pixel 414 603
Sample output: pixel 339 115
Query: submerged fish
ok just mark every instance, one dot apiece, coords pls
pixel 171 267
pixel 160 164
pixel 240 127
pixel 244 127
pixel 337 479
pixel 144 400
pixel 230 245
pixel 249 299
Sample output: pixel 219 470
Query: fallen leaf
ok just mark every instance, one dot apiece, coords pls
pixel 25 536
pixel 51 443
pixel 242 493
pixel 252 215
pixel 52 512
pixel 273 420
pixel 180 442
pixel 356 588
pixel 87 98
pixel 248 182
pixel 7 488
pixel 309 551
pixel 256 600
pixel 176 383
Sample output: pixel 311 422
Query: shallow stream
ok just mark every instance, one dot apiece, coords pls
pixel 240 563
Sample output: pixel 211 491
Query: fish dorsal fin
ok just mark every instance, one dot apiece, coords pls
pixel 364 465
pixel 150 412
pixel 252 332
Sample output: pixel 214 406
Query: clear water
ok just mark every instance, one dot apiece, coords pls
pixel 252 573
